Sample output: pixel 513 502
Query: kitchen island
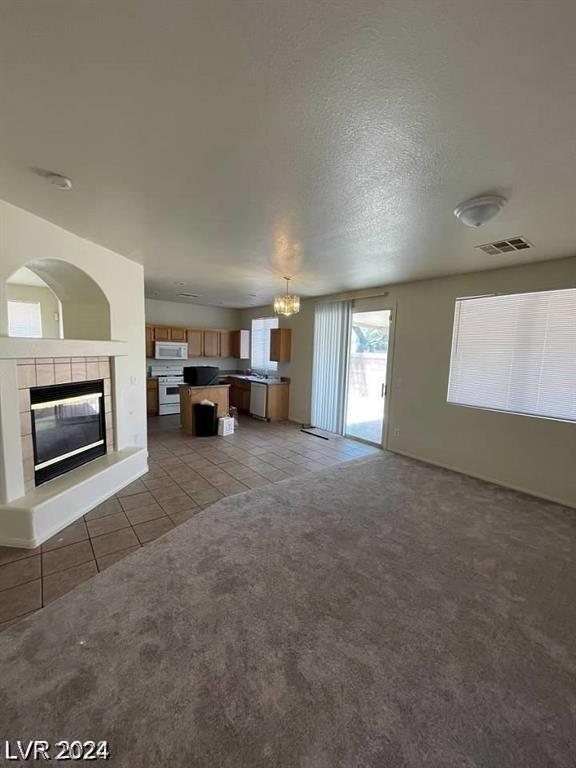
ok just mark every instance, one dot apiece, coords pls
pixel 189 396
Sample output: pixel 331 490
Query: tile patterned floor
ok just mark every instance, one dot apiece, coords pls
pixel 186 475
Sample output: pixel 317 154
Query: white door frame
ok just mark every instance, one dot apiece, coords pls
pixel 391 307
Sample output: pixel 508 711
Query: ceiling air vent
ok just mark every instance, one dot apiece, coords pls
pixel 190 295
pixel 505 246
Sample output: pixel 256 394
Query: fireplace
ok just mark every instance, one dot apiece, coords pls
pixel 68 427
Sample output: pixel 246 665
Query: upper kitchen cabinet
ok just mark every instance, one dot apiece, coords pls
pixel 280 344
pixel 195 339
pixel 211 343
pixel 177 334
pixel 162 333
pixel 202 342
pixel 149 341
pixel 226 344
pixel 240 344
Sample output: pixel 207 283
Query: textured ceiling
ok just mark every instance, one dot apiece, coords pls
pixel 224 144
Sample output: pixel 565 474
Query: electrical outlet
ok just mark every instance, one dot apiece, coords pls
pixel 396 432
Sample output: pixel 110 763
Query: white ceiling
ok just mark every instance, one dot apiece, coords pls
pixel 224 144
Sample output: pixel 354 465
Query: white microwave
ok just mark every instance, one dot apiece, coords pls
pixel 170 350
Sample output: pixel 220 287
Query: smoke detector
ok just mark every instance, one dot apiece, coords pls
pixel 60 182
pixel 509 245
pixel 479 210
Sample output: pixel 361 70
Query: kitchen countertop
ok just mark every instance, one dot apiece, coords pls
pixel 256 379
pixel 204 386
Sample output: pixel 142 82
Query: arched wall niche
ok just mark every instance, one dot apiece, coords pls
pixel 84 310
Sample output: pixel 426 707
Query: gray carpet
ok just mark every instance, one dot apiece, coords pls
pixel 381 614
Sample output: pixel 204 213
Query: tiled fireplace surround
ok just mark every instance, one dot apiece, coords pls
pixel 30 514
pixel 44 371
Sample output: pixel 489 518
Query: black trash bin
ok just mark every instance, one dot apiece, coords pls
pixel 206 420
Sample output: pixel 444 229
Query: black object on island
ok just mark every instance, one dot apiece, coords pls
pixel 201 375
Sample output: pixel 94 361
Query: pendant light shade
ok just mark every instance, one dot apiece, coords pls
pixel 288 304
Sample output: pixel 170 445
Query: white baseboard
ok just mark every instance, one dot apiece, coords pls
pixel 486 479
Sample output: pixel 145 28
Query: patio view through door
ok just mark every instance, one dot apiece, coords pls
pixel 367 366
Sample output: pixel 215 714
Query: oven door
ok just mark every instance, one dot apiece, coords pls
pixel 168 397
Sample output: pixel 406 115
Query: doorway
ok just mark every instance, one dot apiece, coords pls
pixel 367 372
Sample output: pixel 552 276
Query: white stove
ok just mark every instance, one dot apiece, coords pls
pixel 170 377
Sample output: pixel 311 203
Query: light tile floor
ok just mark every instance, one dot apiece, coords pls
pixel 186 475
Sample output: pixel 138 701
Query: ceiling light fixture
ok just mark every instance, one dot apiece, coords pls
pixel 479 210
pixel 60 182
pixel 288 304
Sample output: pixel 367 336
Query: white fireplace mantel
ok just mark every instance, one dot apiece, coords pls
pixel 17 348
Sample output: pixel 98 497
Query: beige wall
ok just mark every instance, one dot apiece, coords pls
pixel 535 455
pixel 192 315
pixel 49 305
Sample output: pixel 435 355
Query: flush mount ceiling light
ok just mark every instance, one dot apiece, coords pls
pixel 479 210
pixel 288 304
pixel 60 182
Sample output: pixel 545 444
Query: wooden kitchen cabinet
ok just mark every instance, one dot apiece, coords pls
pixel 177 334
pixel 240 394
pixel 240 344
pixel 195 339
pixel 202 342
pixel 149 341
pixel 225 344
pixel 280 344
pixel 278 402
pixel 162 333
pixel 211 343
pixel 152 397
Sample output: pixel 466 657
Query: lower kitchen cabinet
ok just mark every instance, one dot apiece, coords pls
pixel 152 397
pixel 240 394
pixel 277 398
pixel 278 401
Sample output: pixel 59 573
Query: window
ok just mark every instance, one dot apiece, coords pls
pixel 516 353
pixel 24 319
pixel 260 359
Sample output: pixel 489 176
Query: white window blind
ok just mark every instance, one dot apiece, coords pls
pixel 331 344
pixel 260 358
pixel 24 319
pixel 516 353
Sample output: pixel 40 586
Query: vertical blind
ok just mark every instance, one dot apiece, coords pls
pixel 24 319
pixel 516 353
pixel 331 337
pixel 260 355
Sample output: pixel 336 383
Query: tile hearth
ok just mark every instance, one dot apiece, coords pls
pixel 186 476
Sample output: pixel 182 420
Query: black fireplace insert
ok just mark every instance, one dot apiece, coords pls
pixel 68 427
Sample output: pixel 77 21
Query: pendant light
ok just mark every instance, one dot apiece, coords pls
pixel 288 304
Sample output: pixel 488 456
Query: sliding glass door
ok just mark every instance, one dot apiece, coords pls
pixel 366 380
